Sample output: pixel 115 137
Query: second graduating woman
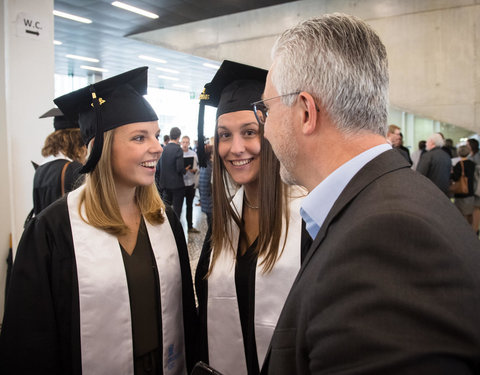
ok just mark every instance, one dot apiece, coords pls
pixel 253 253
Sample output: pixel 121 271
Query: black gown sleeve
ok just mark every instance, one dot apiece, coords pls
pixel 39 335
pixel 73 177
pixel 201 288
pixel 190 318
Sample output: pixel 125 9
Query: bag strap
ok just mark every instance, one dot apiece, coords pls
pixel 463 169
pixel 62 179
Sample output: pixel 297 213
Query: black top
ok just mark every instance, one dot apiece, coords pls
pixel 144 294
pixel 171 167
pixel 47 186
pixel 469 168
pixel 245 271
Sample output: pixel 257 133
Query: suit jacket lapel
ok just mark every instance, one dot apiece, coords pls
pixel 379 166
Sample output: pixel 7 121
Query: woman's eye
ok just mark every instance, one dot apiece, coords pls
pixel 139 138
pixel 223 135
pixel 250 132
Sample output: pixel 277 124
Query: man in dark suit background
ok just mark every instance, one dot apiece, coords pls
pixel 172 171
pixel 391 283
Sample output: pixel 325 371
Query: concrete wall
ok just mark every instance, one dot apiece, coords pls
pixel 27 84
pixel 433 47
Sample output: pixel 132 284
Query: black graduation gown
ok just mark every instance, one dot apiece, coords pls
pixel 47 186
pixel 41 329
pixel 246 301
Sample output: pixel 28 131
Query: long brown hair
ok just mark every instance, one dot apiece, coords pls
pixel 100 197
pixel 273 207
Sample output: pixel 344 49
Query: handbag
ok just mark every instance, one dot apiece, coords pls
pixel 460 186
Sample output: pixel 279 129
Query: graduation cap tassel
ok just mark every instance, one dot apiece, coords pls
pixel 98 140
pixel 202 162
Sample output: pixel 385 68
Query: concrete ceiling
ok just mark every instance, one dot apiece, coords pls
pixel 106 38
pixel 433 47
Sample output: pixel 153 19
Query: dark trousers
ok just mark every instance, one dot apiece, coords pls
pixel 174 197
pixel 189 196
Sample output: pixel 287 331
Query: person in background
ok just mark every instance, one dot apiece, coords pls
pixel 464 202
pixel 390 284
pixel 395 138
pixel 205 186
pixel 166 139
pixel 416 155
pixel 435 164
pixel 253 253
pixel 451 147
pixel 189 179
pixel 65 153
pixel 472 144
pixel 404 150
pixel 172 171
pixel 101 282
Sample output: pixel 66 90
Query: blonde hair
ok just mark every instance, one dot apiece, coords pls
pixel 100 198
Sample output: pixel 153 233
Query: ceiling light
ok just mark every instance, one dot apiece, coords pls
pixel 168 70
pixel 208 65
pixel 93 68
pixel 154 59
pixel 181 86
pixel 71 17
pixel 170 78
pixel 133 9
pixel 56 42
pixel 89 59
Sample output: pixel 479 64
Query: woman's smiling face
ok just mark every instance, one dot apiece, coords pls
pixel 239 145
pixel 135 153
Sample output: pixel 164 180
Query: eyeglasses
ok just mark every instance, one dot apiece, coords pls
pixel 262 108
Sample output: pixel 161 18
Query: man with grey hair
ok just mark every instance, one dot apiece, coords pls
pixel 384 288
pixel 435 164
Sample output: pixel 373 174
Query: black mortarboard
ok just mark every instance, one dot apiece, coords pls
pixel 59 120
pixel 106 105
pixel 234 88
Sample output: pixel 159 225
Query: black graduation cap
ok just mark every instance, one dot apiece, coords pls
pixel 234 88
pixel 59 120
pixel 106 105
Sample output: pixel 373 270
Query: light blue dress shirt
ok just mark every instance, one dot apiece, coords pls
pixel 319 201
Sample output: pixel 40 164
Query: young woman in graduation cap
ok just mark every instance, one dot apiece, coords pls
pixel 101 282
pixel 65 153
pixel 253 253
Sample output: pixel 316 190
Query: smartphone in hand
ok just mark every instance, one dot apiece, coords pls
pixel 201 368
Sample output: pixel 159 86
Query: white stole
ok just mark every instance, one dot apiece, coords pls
pixel 105 317
pixel 225 340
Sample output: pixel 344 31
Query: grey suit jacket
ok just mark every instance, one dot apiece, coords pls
pixel 390 285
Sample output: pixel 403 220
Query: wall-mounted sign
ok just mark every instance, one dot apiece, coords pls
pixel 31 27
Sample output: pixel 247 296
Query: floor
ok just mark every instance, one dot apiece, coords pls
pixel 194 240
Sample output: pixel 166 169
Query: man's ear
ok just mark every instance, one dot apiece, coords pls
pixel 309 112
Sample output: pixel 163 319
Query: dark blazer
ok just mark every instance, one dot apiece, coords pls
pixel 436 165
pixel 390 285
pixel 171 167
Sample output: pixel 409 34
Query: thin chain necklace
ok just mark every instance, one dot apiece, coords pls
pixel 248 204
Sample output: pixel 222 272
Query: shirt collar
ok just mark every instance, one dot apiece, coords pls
pixel 319 201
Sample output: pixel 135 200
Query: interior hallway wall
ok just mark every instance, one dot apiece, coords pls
pixel 27 89
pixel 433 47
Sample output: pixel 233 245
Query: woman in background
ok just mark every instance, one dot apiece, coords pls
pixel 464 202
pixel 253 253
pixel 65 153
pixel 101 282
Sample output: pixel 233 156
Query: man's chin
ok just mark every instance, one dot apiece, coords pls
pixel 286 176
